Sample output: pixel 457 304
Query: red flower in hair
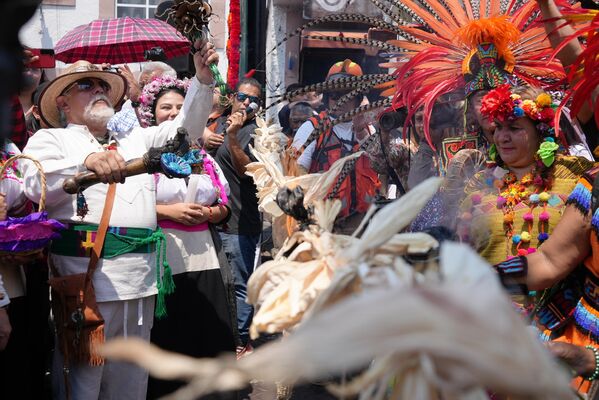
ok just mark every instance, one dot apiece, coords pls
pixel 546 114
pixel 498 104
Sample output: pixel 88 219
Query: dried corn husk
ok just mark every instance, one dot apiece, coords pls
pixel 269 177
pixel 446 338
pixel 285 291
pixel 394 217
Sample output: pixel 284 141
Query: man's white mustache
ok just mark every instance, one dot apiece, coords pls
pixel 100 97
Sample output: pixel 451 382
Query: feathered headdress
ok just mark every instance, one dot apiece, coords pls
pixel 473 46
pixel 447 45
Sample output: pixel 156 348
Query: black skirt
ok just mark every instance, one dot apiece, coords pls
pixel 198 324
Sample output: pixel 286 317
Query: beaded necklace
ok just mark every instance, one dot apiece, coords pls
pixel 532 191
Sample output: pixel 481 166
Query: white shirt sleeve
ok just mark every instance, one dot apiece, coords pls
pixel 302 134
pixel 193 116
pixel 305 159
pixel 4 300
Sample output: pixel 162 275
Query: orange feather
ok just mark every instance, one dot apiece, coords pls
pixel 497 30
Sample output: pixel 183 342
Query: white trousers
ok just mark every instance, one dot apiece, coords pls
pixel 113 380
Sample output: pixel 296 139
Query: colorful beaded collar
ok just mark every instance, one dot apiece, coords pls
pixel 532 191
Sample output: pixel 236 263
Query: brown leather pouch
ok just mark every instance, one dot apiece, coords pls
pixel 79 324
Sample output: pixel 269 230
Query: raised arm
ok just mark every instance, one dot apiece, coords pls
pixel 557 31
pixel 239 157
pixel 197 104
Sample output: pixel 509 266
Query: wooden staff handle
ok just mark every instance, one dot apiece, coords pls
pixel 82 181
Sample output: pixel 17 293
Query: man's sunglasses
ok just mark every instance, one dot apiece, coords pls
pixel 87 84
pixel 242 97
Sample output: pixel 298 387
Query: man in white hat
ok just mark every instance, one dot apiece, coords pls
pixel 78 105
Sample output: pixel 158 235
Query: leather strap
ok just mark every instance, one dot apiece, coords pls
pixel 100 237
pixel 91 268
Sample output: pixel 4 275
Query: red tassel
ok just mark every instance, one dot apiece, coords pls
pixel 250 73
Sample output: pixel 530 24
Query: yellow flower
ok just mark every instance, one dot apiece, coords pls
pixel 529 107
pixel 544 196
pixel 543 100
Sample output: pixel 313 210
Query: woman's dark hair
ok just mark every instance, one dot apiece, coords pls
pixel 162 93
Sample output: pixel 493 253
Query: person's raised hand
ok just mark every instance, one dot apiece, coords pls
pixel 133 90
pixel 29 57
pixel 108 165
pixel 236 121
pixel 204 56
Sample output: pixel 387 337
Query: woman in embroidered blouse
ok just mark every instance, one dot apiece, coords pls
pixel 512 207
pixel 570 256
pixel 199 322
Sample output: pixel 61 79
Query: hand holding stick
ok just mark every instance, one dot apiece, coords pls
pixel 150 163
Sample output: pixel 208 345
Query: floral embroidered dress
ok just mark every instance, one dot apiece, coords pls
pixel 502 217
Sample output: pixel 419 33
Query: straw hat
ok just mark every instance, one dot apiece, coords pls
pixel 81 69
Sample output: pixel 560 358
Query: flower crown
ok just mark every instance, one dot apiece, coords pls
pixel 503 105
pixel 152 90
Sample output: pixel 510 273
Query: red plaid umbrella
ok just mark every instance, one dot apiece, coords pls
pixel 120 40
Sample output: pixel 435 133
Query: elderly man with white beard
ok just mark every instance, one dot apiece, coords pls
pixel 78 105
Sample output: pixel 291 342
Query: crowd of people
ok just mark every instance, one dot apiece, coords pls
pixel 168 259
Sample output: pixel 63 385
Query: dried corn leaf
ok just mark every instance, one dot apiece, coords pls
pixel 325 212
pixel 394 217
pixel 444 339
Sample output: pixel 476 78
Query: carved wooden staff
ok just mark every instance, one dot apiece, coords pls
pixel 150 163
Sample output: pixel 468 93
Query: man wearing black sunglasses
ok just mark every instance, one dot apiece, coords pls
pixel 241 235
